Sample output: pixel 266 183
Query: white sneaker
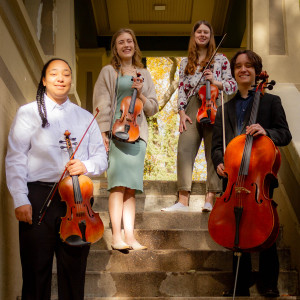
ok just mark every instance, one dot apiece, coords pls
pixel 207 207
pixel 176 207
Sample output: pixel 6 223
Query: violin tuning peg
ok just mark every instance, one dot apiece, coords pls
pixel 61 142
pixel 273 82
pixel 270 87
pixel 73 139
pixel 63 147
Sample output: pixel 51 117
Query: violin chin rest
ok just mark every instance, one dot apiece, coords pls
pixel 124 136
pixel 75 240
pixel 205 121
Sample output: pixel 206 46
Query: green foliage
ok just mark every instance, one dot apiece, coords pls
pixel 161 154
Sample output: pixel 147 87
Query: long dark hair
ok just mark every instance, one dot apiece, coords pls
pixel 42 90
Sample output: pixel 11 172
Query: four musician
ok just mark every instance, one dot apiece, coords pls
pixel 201 48
pixel 126 160
pixel 35 161
pixel 271 122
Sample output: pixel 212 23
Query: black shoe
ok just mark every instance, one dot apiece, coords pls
pixel 271 293
pixel 238 293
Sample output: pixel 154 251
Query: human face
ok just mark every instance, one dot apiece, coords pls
pixel 58 81
pixel 244 71
pixel 202 36
pixel 125 46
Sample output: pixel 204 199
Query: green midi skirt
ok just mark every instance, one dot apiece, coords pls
pixel 126 165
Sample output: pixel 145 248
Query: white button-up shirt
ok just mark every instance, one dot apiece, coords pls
pixel 35 154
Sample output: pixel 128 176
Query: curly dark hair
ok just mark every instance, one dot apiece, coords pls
pixel 42 90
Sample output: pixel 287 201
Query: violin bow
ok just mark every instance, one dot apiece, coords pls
pixel 223 122
pixel 55 186
pixel 210 60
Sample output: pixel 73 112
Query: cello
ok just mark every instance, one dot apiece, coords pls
pixel 251 164
pixel 81 225
pixel 126 128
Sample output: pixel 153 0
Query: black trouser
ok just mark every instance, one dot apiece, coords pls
pixel 38 243
pixel 268 270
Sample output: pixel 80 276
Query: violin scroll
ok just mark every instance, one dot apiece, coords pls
pixel 81 225
pixel 264 84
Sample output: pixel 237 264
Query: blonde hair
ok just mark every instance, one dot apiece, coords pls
pixel 137 56
pixel 193 54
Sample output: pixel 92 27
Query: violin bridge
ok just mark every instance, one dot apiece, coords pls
pixel 240 189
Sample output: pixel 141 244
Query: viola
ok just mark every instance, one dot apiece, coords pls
pixel 245 218
pixel 81 225
pixel 126 128
pixel 208 95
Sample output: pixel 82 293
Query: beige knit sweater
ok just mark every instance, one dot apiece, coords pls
pixel 104 95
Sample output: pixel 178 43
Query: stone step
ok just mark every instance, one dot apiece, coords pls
pixel 171 260
pixel 156 195
pixel 152 202
pixel 151 187
pixel 170 284
pixel 166 239
pixel 283 297
pixel 165 220
pixel 159 239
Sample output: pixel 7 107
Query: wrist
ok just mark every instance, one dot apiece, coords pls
pixel 181 112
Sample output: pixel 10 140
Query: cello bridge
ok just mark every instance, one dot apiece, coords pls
pixel 240 189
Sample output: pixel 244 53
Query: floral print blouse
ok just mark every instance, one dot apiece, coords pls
pixel 221 72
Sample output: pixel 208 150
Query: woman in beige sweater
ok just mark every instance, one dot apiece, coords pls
pixel 126 160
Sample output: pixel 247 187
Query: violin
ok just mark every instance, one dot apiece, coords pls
pixel 208 95
pixel 245 218
pixel 126 128
pixel 81 225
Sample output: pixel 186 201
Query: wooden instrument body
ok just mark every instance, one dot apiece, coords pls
pixel 208 94
pixel 79 211
pixel 259 224
pixel 127 122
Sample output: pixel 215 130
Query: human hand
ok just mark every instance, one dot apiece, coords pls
pixel 208 75
pixel 220 170
pixel 138 83
pixel 183 119
pixel 24 213
pixel 255 130
pixel 76 167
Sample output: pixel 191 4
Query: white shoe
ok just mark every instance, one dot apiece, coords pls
pixel 176 207
pixel 207 207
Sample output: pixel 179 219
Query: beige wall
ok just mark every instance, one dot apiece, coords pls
pixel 274 27
pixel 89 64
pixel 21 60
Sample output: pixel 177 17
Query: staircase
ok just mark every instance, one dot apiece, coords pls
pixel 182 261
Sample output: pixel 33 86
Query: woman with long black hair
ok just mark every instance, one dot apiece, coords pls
pixel 34 163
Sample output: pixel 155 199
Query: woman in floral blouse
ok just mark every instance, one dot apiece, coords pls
pixel 201 48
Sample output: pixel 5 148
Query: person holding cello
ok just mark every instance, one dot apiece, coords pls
pixel 123 77
pixel 34 163
pixel 246 65
pixel 201 48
